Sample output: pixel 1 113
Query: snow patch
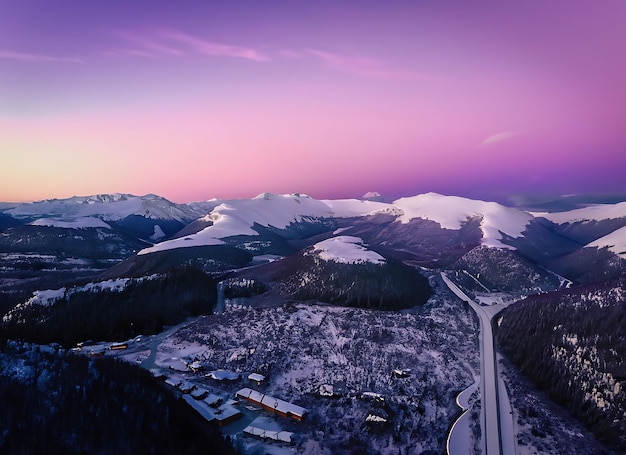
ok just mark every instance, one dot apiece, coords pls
pixel 158 233
pixel 347 250
pixel 83 222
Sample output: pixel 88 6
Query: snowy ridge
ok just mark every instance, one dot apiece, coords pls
pixel 594 212
pixel 451 211
pixel 238 216
pixel 346 208
pixel 83 222
pixel 615 241
pixel 109 207
pixel 346 250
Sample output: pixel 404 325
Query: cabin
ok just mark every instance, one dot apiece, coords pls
pixel 280 436
pixel 186 387
pixel 222 415
pixel 118 346
pixel 199 393
pixel 327 390
pixel 256 377
pixel 272 404
pixel 194 366
pixel 174 382
pixel 401 373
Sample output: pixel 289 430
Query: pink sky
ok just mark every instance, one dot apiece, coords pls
pixel 193 101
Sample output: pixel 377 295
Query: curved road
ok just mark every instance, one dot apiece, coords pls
pixel 493 423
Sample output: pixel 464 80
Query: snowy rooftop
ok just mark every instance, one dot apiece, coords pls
pixel 282 436
pixel 277 404
pixel 256 377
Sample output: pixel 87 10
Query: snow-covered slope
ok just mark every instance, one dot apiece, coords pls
pixel 82 222
pixel 347 250
pixel 593 212
pixel 615 241
pixel 237 217
pixel 109 207
pixel 451 211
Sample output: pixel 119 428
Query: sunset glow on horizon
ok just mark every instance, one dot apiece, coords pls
pixel 193 100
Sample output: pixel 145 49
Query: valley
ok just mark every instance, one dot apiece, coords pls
pixel 368 315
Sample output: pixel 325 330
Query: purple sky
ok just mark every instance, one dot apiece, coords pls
pixel 193 100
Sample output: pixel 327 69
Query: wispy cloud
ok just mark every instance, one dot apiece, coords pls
pixel 35 58
pixel 499 137
pixel 213 48
pixel 368 67
pixel 165 43
pixel 147 47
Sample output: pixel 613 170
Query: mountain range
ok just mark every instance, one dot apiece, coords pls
pixel 115 266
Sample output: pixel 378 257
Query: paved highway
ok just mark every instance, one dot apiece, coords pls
pixel 493 424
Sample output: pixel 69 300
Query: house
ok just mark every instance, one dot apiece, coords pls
pixel 222 415
pixel 186 387
pixel 401 373
pixel 174 382
pixel 276 405
pixel 199 393
pixel 118 346
pixel 327 390
pixel 194 366
pixel 256 377
pixel 280 436
pixel 372 396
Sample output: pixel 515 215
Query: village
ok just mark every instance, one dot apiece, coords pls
pixel 247 412
pixel 308 377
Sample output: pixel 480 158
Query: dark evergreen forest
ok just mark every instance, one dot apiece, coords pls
pixel 572 344
pixel 390 286
pixel 144 306
pixel 58 403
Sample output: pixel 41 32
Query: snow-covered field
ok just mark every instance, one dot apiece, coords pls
pixel 346 249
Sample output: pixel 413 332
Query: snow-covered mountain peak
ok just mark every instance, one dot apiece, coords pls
pixel 108 207
pixel 104 198
pixel 451 211
pixel 237 217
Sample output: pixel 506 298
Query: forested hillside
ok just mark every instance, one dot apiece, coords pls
pixel 117 311
pixel 388 286
pixel 57 403
pixel 572 343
